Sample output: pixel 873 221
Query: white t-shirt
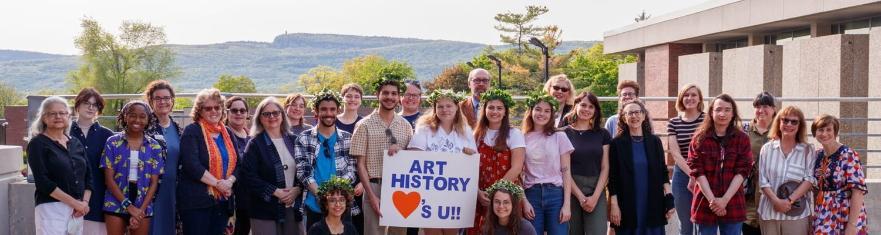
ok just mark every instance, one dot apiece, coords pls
pixel 441 141
pixel 133 165
pixel 287 161
pixel 515 138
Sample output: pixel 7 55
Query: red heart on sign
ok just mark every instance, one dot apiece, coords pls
pixel 406 203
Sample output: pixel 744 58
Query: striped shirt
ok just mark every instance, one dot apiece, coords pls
pixel 775 168
pixel 683 130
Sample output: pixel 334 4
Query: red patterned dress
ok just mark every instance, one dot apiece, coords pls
pixel 493 166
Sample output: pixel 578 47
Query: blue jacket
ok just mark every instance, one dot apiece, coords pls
pixel 191 192
pixel 94 143
pixel 263 173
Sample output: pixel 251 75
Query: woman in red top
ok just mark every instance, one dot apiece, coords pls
pixel 720 158
pixel 502 148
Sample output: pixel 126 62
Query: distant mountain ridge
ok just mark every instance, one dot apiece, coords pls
pixel 269 64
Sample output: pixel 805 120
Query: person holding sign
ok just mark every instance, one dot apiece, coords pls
pixel 322 153
pixel 444 130
pixel 506 216
pixel 641 195
pixel 269 172
pixel 335 197
pixel 501 149
pixel 379 133
pixel 546 175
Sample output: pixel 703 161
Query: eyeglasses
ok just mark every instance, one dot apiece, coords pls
pixel 411 96
pixel 271 114
pixel 210 108
pixel 91 105
pixel 787 121
pixel 480 80
pixel 58 114
pixel 338 201
pixel 238 111
pixel 391 138
pixel 163 98
pixel 628 94
pixel 633 113
pixel 562 89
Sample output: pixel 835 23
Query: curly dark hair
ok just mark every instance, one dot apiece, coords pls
pixel 322 200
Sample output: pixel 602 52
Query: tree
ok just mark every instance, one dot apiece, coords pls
pixel 519 26
pixel 237 84
pixel 642 17
pixel 454 77
pixel 124 63
pixel 8 96
pixel 597 72
pixel 321 77
pixel 365 69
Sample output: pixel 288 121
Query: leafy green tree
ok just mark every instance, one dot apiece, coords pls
pixel 124 63
pixel 8 96
pixel 594 71
pixel 454 77
pixel 364 69
pixel 321 77
pixel 519 27
pixel 237 84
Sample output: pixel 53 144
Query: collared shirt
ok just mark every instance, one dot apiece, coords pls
pixel 309 150
pixel 116 156
pixel 93 139
pixel 370 140
pixel 777 168
pixel 708 157
pixel 58 167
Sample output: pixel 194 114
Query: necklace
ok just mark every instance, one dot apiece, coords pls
pixel 637 139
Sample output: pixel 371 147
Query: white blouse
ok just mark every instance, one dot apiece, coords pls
pixel 776 168
pixel 427 139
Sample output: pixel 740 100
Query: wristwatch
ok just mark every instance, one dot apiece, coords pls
pixel 126 203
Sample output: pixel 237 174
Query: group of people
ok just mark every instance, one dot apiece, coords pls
pixel 267 170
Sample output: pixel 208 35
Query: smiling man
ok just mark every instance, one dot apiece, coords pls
pixel 478 81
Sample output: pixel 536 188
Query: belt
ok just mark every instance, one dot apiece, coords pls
pixel 375 180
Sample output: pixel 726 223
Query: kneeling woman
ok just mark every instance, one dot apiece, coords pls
pixel 506 217
pixel 132 164
pixel 335 199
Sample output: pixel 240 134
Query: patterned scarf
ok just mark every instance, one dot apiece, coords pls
pixel 215 161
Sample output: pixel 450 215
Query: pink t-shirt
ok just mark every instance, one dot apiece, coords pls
pixel 543 158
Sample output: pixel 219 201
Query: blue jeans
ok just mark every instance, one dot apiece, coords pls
pixel 205 221
pixel 722 229
pixel 547 200
pixel 682 201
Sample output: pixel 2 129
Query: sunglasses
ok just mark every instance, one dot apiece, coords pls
pixel 391 138
pixel 559 88
pixel 271 114
pixel 326 148
pixel 211 108
pixel 238 111
pixel 787 121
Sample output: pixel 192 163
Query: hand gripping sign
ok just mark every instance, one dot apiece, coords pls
pixel 429 190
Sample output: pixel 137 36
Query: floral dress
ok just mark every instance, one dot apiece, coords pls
pixel 116 157
pixel 838 175
pixel 493 166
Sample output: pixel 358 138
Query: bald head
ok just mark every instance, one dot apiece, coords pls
pixel 478 81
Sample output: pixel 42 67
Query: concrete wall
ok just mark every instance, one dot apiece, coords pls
pixel 748 71
pixel 21 211
pixel 830 66
pixel 874 127
pixel 10 166
pixel 662 78
pixel 634 72
pixel 703 70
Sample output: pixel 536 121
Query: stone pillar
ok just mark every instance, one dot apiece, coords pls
pixel 754 39
pixel 634 72
pixel 874 127
pixel 10 171
pixel 662 77
pixel 819 29
pixel 830 66
pixel 748 71
pixel 703 70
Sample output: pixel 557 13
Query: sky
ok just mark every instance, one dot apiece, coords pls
pixel 51 26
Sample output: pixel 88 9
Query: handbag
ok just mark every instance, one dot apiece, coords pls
pixel 75 225
pixel 789 187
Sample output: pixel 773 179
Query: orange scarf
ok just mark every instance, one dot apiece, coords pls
pixel 215 161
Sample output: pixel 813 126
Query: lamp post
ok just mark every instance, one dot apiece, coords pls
pixel 544 50
pixel 499 66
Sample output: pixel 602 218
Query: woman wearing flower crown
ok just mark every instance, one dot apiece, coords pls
pixel 443 130
pixel 506 215
pixel 335 199
pixel 501 148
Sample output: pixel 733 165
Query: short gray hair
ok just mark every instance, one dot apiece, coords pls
pixel 37 126
pixel 257 127
pixel 475 71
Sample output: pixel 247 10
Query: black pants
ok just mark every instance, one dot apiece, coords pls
pixel 243 222
pixel 750 230
pixel 205 221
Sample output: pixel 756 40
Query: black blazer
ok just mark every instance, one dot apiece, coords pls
pixel 621 179
pixel 263 173
pixel 191 192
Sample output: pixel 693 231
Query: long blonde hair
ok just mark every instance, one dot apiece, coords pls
pixel 433 122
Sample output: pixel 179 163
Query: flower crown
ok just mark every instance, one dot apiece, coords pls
pixel 390 79
pixel 516 190
pixel 537 97
pixel 497 94
pixel 445 93
pixel 335 183
pixel 324 94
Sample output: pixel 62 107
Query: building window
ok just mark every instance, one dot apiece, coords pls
pixel 789 36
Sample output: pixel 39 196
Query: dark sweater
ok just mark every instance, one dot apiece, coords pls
pixel 191 192
pixel 621 179
pixel 54 166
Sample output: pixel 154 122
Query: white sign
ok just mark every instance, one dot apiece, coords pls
pixel 429 190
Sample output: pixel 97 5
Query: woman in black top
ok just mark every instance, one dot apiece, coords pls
pixel 60 169
pixel 335 198
pixel 590 166
pixel 239 115
pixel 88 104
